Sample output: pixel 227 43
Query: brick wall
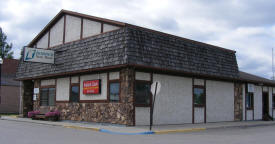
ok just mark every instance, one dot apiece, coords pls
pixel 9 99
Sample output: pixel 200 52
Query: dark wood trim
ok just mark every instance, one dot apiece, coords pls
pixel 70 89
pixel 62 101
pixel 193 111
pixel 108 87
pixel 66 12
pixel 93 101
pixel 81 29
pixel 55 91
pixel 48 86
pixel 245 108
pixel 64 29
pixel 49 38
pixel 143 105
pixel 101 31
pixel 114 81
pixel 205 101
pixel 134 96
pixel 272 97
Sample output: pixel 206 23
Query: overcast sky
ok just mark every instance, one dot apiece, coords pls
pixel 246 26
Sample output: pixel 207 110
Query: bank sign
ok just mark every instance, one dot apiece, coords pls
pixel 38 55
pixel 91 87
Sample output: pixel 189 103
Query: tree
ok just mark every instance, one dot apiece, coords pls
pixel 5 48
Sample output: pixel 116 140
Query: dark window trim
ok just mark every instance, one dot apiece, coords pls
pixel 47 86
pixel 151 96
pixel 108 91
pixel 252 101
pixel 204 96
pixel 273 104
pixel 74 84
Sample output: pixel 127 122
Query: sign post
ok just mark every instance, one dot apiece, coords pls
pixel 155 88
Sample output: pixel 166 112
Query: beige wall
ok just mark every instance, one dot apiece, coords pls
pixel 91 28
pixel 143 76
pixel 56 33
pixel 73 28
pixel 43 42
pixel 63 89
pixel 219 101
pixel 72 31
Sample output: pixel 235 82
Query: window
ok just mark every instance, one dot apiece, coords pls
pixel 142 93
pixel 273 100
pixel 114 93
pixel 199 96
pixel 47 96
pixel 249 100
pixel 74 95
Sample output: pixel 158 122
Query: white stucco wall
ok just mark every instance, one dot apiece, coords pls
pixel 173 104
pixel 257 102
pixel 43 42
pixel 63 89
pixel 142 115
pixel 74 79
pixel 249 114
pixel 219 101
pixel 103 95
pixel 114 75
pixel 107 27
pixel 73 28
pixel 47 82
pixel 56 33
pixel 198 114
pixel 199 82
pixel 143 76
pixel 91 28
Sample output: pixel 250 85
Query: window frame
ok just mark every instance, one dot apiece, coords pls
pixel 204 96
pixel 72 85
pixel 251 106
pixel 151 96
pixel 273 101
pixel 47 87
pixel 109 92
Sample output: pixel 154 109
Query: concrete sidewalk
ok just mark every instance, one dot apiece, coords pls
pixel 138 130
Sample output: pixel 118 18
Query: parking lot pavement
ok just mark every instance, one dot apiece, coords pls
pixel 30 133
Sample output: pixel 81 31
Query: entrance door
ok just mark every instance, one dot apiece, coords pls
pixel 265 104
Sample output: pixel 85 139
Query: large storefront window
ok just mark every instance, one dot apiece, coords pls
pixel 249 100
pixel 199 96
pixel 47 96
pixel 74 96
pixel 114 88
pixel 142 93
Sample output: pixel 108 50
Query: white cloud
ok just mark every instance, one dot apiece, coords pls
pixel 246 26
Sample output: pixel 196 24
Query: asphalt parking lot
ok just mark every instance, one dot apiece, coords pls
pixel 30 133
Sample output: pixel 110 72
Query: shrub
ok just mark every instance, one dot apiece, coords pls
pixel 53 115
pixel 31 114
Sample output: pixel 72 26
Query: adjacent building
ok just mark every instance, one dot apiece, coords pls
pixel 9 88
pixel 103 70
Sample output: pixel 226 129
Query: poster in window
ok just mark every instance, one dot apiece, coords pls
pixel 92 87
pixel 250 87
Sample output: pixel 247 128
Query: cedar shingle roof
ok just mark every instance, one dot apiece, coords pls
pixel 136 46
pixel 254 79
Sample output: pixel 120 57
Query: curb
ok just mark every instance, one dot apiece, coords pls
pixel 179 130
pixel 139 133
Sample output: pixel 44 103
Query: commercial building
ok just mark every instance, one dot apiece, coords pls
pixel 9 88
pixel 103 70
